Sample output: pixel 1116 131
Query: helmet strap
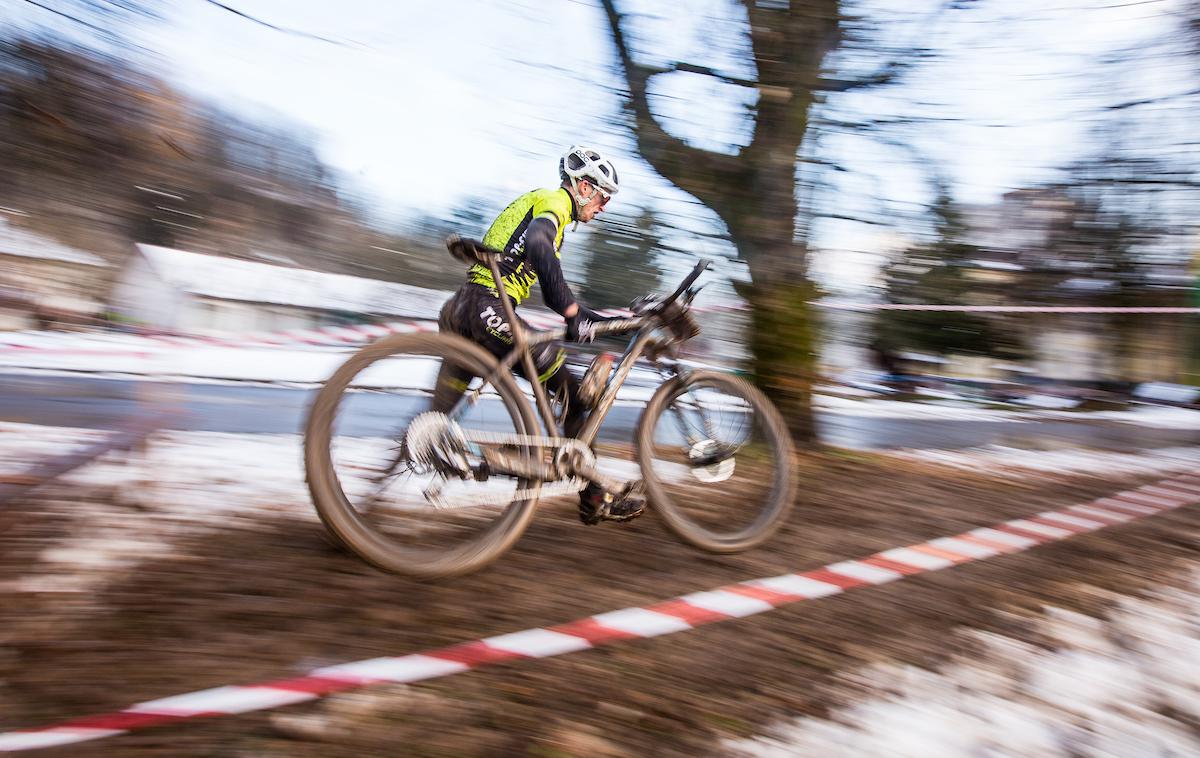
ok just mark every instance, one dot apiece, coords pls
pixel 575 192
pixel 579 199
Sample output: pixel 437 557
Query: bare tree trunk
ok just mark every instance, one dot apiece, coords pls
pixel 784 334
pixel 754 193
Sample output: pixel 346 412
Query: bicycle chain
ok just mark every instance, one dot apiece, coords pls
pixel 493 438
pixel 566 487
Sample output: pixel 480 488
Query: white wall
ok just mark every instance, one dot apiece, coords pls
pixel 212 315
pixel 1071 354
pixel 141 295
pixel 11 320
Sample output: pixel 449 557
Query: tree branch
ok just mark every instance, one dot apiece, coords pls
pixel 691 169
pixel 1151 100
pixel 901 62
pixel 69 17
pixel 875 124
pixel 692 68
pixel 890 73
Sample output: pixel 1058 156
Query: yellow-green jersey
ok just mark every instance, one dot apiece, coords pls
pixel 531 250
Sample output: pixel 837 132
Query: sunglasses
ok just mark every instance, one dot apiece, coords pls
pixel 604 196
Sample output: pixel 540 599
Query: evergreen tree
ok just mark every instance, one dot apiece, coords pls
pixel 621 264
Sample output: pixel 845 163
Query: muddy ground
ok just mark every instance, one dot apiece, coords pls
pixel 261 595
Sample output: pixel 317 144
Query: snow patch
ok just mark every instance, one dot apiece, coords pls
pixel 1102 691
pixel 127 508
pixel 1156 416
pixel 840 406
pixel 1015 462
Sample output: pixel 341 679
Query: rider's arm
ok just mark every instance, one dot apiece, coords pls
pixel 539 250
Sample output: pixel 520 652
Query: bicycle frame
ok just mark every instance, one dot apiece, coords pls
pixel 643 326
pixel 523 344
pixel 643 335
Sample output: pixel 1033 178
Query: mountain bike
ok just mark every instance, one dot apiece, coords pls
pixel 430 494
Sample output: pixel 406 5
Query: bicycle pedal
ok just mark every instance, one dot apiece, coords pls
pixel 594 510
pixel 623 508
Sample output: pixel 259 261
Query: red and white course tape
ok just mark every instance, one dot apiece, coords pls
pixel 676 615
pixel 360 334
pixel 842 306
pixel 326 336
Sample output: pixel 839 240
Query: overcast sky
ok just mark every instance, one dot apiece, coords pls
pixel 426 104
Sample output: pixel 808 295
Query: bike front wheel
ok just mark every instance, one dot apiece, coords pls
pixel 404 510
pixel 716 458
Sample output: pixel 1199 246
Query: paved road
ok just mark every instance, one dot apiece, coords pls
pixel 102 403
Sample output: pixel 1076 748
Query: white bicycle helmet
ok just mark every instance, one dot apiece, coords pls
pixel 587 163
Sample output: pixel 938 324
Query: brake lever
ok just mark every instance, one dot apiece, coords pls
pixel 644 304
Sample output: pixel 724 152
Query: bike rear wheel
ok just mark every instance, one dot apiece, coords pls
pixel 716 458
pixel 371 493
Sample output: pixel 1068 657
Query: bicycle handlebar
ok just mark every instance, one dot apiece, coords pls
pixel 688 280
pixel 626 324
pixel 602 329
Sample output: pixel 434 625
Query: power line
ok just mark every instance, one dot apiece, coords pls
pixel 269 25
pixel 69 17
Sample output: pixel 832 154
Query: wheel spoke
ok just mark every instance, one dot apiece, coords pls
pixel 397 499
pixel 719 471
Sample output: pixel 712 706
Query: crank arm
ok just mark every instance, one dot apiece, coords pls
pixel 592 474
pixel 502 462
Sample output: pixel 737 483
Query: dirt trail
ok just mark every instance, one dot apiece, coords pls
pixel 261 594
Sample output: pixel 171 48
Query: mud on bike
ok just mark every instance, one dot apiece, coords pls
pixel 432 494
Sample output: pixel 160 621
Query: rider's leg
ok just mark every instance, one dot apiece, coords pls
pixel 560 382
pixel 595 503
pixel 479 312
pixel 452 381
pixel 479 316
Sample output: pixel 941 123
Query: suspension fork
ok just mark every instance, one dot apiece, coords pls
pixel 677 410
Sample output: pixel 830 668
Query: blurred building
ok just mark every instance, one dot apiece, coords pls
pixel 1019 230
pixel 44 282
pixel 176 290
pixel 1040 246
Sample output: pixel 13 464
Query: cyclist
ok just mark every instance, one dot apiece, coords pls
pixel 530 234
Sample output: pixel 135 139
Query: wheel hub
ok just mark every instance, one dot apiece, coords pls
pixel 717 471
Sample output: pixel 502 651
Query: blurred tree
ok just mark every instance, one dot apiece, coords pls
pixel 1114 242
pixel 1092 240
pixel 620 261
pixel 105 20
pixel 469 216
pixel 65 147
pixel 472 215
pixel 98 152
pixel 753 191
pixel 942 273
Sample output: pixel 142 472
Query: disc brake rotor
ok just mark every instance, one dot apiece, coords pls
pixel 714 472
